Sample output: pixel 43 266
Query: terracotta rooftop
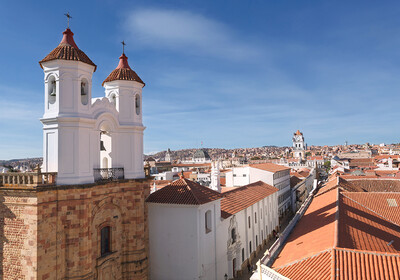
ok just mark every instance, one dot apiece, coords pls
pixel 377 185
pixel 387 205
pixel 123 72
pixel 314 233
pixel 345 235
pixel 313 267
pixel 183 191
pixel 362 228
pixel 271 167
pixel 68 50
pixel 344 264
pixel 243 197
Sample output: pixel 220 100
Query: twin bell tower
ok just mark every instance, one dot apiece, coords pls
pixel 86 139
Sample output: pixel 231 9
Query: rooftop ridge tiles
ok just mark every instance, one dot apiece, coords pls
pixel 190 190
pixel 383 217
pixel 333 265
pixel 336 236
pixel 376 253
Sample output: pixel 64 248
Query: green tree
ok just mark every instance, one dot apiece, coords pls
pixel 327 165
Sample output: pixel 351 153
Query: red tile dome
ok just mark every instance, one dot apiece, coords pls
pixel 68 50
pixel 123 72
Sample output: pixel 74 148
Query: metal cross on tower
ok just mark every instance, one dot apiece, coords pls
pixel 69 17
pixel 123 47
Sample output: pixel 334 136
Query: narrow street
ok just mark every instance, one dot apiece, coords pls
pixel 245 273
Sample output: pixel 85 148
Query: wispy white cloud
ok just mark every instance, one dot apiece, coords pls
pixel 188 32
pixel 16 111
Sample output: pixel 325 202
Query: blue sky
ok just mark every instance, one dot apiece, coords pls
pixel 228 73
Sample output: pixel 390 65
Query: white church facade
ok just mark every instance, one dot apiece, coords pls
pixel 85 137
pixel 198 233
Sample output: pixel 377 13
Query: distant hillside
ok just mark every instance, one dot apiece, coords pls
pixel 265 152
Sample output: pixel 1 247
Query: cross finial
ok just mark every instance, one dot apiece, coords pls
pixel 68 16
pixel 123 47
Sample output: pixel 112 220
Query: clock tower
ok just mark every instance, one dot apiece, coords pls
pixel 298 145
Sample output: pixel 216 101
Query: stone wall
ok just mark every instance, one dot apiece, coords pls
pixel 54 232
pixel 18 228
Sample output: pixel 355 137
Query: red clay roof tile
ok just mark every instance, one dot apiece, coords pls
pixel 183 191
pixel 365 229
pixel 123 72
pixel 68 50
pixel 240 198
pixel 271 167
pixel 343 264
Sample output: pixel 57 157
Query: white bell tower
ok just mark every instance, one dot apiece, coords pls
pixel 89 139
pixel 123 87
pixel 215 176
pixel 298 145
pixel 66 137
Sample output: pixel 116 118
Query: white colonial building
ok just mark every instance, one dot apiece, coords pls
pixel 198 233
pixel 269 173
pixel 82 134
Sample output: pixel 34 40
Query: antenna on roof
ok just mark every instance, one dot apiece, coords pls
pixel 390 243
pixel 69 17
pixel 123 47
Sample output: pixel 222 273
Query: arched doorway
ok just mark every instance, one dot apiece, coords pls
pixel 105 149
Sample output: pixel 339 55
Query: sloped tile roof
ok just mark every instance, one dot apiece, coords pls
pixel 363 229
pixel 352 264
pixel 341 183
pixel 386 205
pixel 123 72
pixel 314 267
pixel 346 264
pixel 183 191
pixel 271 167
pixel 68 50
pixel 314 233
pixel 243 197
pixel 378 185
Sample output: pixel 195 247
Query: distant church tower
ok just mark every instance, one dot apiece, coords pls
pixel 168 156
pixel 82 134
pixel 215 176
pixel 298 145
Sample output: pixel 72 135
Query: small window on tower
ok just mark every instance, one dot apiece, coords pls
pixel 84 92
pixel 113 99
pixel 52 89
pixel 137 104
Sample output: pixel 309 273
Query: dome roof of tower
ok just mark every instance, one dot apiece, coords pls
pixel 68 50
pixel 123 72
pixel 201 153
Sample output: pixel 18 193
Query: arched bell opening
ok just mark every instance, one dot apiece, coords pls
pixel 105 149
pixel 51 90
pixel 84 91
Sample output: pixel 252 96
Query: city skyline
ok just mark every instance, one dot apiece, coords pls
pixel 244 75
